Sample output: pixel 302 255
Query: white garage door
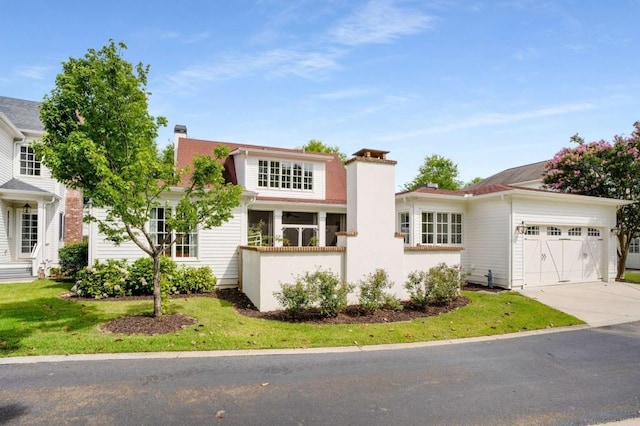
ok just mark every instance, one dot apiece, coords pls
pixel 559 254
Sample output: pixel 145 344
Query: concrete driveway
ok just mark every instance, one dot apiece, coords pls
pixel 598 304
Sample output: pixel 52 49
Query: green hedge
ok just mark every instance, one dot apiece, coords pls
pixel 116 278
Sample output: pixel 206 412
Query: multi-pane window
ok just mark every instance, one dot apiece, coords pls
pixel 285 175
pixel 634 246
pixel 297 176
pixel 593 232
pixel 186 244
pixel 441 228
pixel 552 230
pixel 456 228
pixel 533 230
pixel 274 174
pixel 575 232
pixel 29 232
pixel 263 173
pixel 405 227
pixel 29 164
pixel 307 182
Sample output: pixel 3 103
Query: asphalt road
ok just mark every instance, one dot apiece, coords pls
pixel 576 377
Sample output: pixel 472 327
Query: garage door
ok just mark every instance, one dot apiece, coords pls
pixel 560 254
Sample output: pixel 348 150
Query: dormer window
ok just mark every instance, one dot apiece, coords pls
pixel 285 175
pixel 29 164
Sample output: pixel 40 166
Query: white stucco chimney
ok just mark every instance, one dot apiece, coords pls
pixel 371 240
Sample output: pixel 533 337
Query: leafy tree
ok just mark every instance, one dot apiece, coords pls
pixel 436 169
pixel 603 169
pixel 315 145
pixel 100 138
pixel 474 181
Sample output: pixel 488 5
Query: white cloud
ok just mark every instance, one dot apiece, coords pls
pixel 491 119
pixel 34 72
pixel 379 21
pixel 195 38
pixel 351 93
pixel 272 63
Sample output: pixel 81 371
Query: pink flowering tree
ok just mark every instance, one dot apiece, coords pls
pixel 603 169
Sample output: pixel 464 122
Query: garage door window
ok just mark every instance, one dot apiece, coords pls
pixel 593 232
pixel 533 230
pixel 575 232
pixel 552 230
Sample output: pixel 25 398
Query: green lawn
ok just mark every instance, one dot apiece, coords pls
pixel 34 320
pixel 632 277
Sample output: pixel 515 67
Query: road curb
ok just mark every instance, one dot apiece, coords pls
pixel 265 352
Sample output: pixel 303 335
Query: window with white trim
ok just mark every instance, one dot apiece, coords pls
pixel 186 245
pixel 634 246
pixel 285 175
pixel 404 226
pixel 441 228
pixel 29 164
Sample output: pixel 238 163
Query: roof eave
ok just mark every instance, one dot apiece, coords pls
pixel 15 132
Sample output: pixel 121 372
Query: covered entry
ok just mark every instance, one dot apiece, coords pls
pixel 562 254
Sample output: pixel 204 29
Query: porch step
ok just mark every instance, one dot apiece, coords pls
pixel 17 272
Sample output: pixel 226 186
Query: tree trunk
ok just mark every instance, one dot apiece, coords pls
pixel 157 294
pixel 623 251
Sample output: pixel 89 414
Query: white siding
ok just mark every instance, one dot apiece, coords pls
pixel 6 154
pixel 217 248
pixel 44 181
pixel 487 241
pixel 5 249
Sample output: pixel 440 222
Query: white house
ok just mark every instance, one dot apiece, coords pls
pixel 301 210
pixel 32 203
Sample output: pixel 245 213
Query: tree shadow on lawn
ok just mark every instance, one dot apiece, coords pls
pixel 19 320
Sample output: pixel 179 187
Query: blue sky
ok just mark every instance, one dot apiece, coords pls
pixel 487 84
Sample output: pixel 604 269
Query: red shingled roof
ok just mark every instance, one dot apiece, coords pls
pixel 335 176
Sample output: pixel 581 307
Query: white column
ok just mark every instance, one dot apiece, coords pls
pixel 277 228
pixel 322 229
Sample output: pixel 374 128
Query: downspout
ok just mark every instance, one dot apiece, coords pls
pixel 44 262
pixel 510 233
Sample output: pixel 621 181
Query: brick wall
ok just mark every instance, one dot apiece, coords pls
pixel 73 216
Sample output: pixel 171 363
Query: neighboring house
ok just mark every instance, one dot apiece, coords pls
pixel 302 210
pixel 32 203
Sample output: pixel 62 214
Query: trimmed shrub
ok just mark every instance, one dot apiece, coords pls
pixel 330 291
pixel 439 286
pixel 189 280
pixel 372 295
pixel 321 289
pixel 102 280
pixel 294 298
pixel 73 257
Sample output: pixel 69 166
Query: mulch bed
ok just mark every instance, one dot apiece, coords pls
pixel 147 324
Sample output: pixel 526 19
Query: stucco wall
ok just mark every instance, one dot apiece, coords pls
pixel 264 269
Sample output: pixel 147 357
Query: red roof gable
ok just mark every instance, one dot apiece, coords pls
pixel 335 173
